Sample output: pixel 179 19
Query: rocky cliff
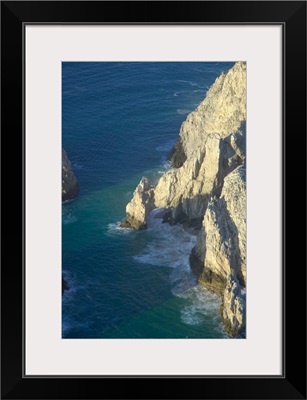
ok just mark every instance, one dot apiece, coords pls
pixel 206 189
pixel 219 256
pixel 70 187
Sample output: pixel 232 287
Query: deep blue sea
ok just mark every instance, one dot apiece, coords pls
pixel 119 121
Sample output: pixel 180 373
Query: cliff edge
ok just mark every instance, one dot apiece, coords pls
pixel 206 189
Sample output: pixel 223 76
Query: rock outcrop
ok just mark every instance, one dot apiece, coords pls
pixel 221 112
pixel 233 308
pixel 140 206
pixel 206 189
pixel 70 186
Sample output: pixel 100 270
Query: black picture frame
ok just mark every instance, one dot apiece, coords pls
pixel 292 16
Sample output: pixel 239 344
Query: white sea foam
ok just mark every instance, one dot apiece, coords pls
pixel 115 229
pixel 201 305
pixel 183 111
pixel 193 84
pixel 166 167
pixel 169 246
pixel 69 218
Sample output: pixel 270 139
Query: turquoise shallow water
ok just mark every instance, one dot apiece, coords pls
pixel 119 122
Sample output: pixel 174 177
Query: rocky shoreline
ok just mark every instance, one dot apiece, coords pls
pixel 206 189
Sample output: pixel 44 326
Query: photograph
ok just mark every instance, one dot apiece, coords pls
pixel 154 200
pixel 157 151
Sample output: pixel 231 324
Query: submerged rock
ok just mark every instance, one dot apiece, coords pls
pixel 70 186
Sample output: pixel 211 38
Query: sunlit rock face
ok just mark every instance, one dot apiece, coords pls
pixel 221 112
pixel 140 206
pixel 206 189
pixel 219 256
pixel 221 244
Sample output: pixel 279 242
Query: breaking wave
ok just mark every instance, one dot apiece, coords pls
pixel 201 306
pixel 115 229
pixel 170 246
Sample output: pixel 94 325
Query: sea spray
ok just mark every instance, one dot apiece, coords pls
pixel 170 246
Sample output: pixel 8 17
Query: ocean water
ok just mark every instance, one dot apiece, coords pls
pixel 119 121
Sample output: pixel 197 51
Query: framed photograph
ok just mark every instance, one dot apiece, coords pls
pixel 161 149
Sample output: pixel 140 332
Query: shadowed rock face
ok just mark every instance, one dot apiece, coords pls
pixel 177 155
pixel 70 187
pixel 206 189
